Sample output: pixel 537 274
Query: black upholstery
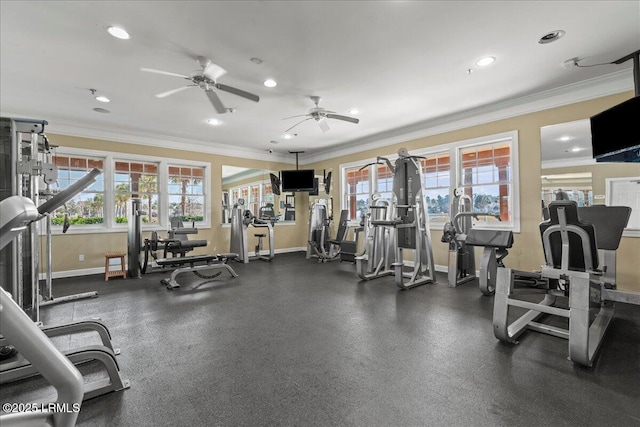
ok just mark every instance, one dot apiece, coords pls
pixel 342 228
pixel 576 254
pixel 609 222
pixel 181 244
pixel 490 238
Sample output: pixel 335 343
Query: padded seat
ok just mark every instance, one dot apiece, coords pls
pixel 186 260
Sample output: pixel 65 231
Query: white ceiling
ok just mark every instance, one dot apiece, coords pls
pixel 399 62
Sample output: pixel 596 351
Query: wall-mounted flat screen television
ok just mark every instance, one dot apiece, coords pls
pixel 297 180
pixel 615 133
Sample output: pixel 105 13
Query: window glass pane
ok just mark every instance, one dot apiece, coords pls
pixel 136 179
pixel 357 190
pixel 486 177
pixel 88 206
pixel 186 193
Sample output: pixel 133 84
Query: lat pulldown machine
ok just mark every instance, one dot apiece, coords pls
pixel 409 222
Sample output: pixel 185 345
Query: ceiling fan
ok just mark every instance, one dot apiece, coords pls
pixel 321 115
pixel 206 79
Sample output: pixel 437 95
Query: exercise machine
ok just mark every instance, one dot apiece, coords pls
pixel 17 214
pixel 462 238
pixel 409 222
pixel 462 262
pixel 320 245
pixel 495 244
pixel 197 264
pixel 579 247
pixel 378 255
pixel 177 244
pixel 241 219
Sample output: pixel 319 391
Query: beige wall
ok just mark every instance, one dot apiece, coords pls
pixel 68 247
pixel 526 253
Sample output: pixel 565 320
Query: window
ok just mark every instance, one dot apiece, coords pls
pixel 88 206
pixel 166 188
pixel 484 168
pixel 436 178
pixel 384 181
pixel 357 191
pixel 136 179
pixel 186 193
pixel 485 176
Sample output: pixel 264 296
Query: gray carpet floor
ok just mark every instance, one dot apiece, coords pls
pixel 298 343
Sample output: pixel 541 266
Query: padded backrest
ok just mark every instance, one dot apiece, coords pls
pixel 342 225
pixel 578 245
pixel 609 222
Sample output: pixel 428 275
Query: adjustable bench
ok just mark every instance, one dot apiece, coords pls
pixel 197 263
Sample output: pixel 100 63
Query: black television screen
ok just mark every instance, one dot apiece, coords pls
pixel 327 183
pixel 616 129
pixel 297 180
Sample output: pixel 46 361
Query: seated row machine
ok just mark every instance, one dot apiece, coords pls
pixel 576 243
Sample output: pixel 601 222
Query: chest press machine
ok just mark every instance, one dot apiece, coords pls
pixel 579 271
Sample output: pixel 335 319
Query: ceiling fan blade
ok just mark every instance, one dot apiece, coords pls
pixel 215 101
pixel 166 73
pixel 299 115
pixel 238 92
pixel 297 124
pixel 214 71
pixel 345 118
pixel 324 126
pixel 172 91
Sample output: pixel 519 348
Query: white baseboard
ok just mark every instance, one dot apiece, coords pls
pixel 100 270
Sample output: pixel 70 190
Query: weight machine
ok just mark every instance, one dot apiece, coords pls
pixel 462 238
pixel 240 221
pixel 378 255
pixel 178 245
pixel 409 222
pixel 576 242
pixel 320 245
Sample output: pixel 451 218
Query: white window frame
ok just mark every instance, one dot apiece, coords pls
pixel 609 186
pixel 454 148
pixel 110 157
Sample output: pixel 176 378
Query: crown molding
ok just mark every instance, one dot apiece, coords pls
pixel 598 87
pixel 567 163
pixel 62 127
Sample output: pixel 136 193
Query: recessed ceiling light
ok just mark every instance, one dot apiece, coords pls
pixel 101 110
pixel 565 138
pixel 214 122
pixel 102 99
pixel 551 36
pixel 119 33
pixel 289 135
pixel 487 60
pixel 270 83
pixel 354 111
pixel 576 149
